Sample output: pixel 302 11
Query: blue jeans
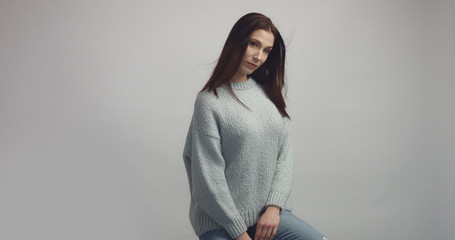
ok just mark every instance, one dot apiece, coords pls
pixel 290 228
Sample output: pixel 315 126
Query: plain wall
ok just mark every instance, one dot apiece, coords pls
pixel 96 99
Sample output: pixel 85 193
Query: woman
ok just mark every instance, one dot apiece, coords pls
pixel 238 152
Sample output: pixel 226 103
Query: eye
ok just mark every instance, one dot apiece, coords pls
pixel 253 44
pixel 267 51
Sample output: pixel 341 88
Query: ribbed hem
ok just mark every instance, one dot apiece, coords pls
pixel 277 199
pixel 247 219
pixel 249 83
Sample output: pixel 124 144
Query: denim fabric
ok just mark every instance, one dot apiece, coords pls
pixel 290 228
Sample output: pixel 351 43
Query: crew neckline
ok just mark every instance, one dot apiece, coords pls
pixel 249 83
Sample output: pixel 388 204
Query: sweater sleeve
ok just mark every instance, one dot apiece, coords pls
pixel 284 173
pixel 209 186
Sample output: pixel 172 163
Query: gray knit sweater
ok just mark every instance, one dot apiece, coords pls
pixel 238 161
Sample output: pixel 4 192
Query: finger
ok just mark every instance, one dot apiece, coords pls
pixel 264 234
pixel 274 231
pixel 269 234
pixel 260 232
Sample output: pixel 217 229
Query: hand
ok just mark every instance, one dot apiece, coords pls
pixel 243 236
pixel 268 224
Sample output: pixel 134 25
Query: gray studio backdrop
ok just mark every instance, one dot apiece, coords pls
pixel 96 99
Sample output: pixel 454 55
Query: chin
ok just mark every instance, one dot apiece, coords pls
pixel 248 71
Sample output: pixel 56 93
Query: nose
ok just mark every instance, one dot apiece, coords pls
pixel 258 56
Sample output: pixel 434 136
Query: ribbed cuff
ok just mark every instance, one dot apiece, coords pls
pixel 236 228
pixel 277 199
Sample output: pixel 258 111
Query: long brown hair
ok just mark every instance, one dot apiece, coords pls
pixel 270 73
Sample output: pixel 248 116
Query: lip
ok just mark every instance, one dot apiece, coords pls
pixel 252 65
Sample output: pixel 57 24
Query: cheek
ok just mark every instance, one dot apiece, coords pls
pixel 249 52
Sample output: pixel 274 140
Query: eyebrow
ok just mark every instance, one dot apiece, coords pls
pixel 260 43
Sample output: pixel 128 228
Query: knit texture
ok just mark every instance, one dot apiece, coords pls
pixel 237 160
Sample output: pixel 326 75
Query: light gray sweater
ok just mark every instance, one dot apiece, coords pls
pixel 237 161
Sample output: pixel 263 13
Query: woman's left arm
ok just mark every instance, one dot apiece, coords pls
pixel 284 173
pixel 267 225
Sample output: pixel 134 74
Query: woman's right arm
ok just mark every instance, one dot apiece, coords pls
pixel 206 165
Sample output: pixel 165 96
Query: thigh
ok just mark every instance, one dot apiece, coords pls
pixel 294 228
pixel 218 234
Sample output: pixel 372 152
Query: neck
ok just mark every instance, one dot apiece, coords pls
pixel 239 77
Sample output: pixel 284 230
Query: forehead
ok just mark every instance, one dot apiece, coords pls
pixel 265 37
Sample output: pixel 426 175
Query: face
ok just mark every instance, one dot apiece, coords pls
pixel 259 47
